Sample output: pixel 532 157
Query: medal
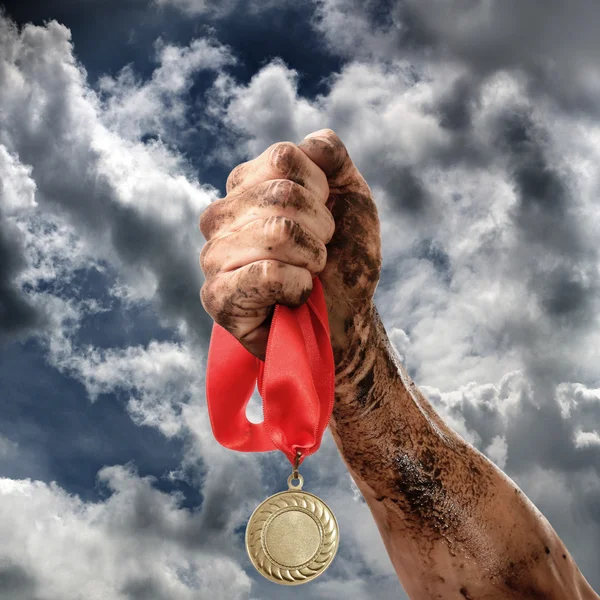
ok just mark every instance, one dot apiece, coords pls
pixel 292 536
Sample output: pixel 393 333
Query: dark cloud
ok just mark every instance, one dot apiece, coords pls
pixel 546 215
pixel 456 107
pixel 564 294
pixel 16 583
pixel 537 434
pixel 591 503
pixel 146 242
pixel 147 588
pixel 17 314
pixel 398 19
pixel 552 42
pixel 406 190
pixel 484 418
pixel 545 210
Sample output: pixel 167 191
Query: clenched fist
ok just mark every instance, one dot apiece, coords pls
pixel 293 212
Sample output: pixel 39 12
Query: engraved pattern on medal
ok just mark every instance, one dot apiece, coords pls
pixel 309 557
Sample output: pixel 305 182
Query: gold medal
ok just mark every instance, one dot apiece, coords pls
pixel 292 537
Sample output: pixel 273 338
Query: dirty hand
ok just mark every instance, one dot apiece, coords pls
pixel 293 212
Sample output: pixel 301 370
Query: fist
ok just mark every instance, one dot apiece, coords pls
pixel 293 212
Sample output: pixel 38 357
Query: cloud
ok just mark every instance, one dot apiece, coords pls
pixel 265 111
pixel 137 543
pixel 160 105
pixel 217 9
pixel 552 46
pixel 135 204
pixel 497 451
pixel 8 448
pixel 17 192
pixel 586 438
pixel 86 196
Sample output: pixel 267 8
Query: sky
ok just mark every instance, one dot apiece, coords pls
pixel 477 126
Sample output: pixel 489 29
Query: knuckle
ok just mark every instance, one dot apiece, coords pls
pixel 234 178
pixel 269 272
pixel 216 301
pixel 210 218
pixel 279 229
pixel 332 229
pixel 284 157
pixel 206 222
pixel 203 257
pixel 287 192
pixel 285 188
pixel 208 297
pixel 283 193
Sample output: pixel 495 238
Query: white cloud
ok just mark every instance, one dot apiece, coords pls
pixel 572 396
pixel 138 543
pixel 17 186
pixel 587 438
pixel 159 379
pixel 265 111
pixel 133 107
pixel 400 342
pixel 497 451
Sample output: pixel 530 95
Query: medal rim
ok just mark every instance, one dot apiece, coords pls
pixel 310 577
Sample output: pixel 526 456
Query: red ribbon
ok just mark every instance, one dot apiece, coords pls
pixel 296 382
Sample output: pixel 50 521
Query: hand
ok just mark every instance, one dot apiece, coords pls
pixel 293 212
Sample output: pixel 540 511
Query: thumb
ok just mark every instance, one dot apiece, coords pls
pixel 329 153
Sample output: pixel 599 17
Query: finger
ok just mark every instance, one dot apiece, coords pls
pixel 240 300
pixel 273 237
pixel 278 197
pixel 283 160
pixel 328 152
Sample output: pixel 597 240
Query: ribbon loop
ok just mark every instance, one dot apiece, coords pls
pixel 296 382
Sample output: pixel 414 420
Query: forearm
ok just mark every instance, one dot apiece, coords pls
pixel 452 522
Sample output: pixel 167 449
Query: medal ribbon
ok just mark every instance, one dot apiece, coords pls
pixel 295 381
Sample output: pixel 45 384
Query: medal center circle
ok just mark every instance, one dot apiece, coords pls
pixel 292 538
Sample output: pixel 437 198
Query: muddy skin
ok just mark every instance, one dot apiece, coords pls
pixel 221 213
pixel 338 163
pixel 352 271
pixel 302 238
pixel 284 158
pixel 353 266
pixel 293 197
pixel 432 486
